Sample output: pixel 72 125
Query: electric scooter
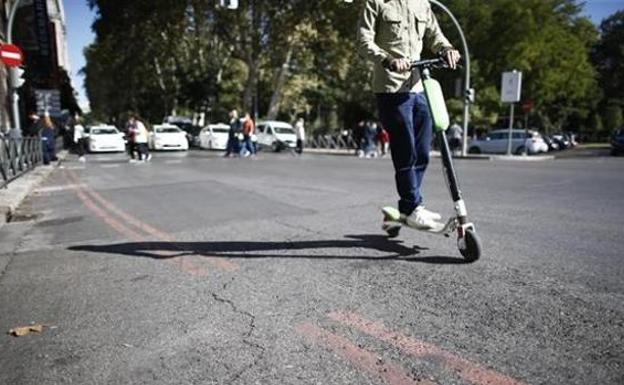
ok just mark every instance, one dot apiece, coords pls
pixel 468 241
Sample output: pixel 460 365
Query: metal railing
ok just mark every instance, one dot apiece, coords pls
pixel 18 156
pixel 333 142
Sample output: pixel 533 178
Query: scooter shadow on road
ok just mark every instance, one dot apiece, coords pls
pixel 259 250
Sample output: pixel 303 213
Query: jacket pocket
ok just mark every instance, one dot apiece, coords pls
pixel 421 20
pixel 392 23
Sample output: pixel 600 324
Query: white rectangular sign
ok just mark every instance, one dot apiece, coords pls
pixel 511 88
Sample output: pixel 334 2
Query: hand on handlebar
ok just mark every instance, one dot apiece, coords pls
pixel 451 57
pixel 399 65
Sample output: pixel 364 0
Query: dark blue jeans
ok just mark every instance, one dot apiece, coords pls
pixel 248 145
pixel 407 119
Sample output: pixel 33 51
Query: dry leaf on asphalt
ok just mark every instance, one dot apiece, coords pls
pixel 25 330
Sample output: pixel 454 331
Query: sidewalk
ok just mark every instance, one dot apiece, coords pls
pixel 12 196
pixel 436 154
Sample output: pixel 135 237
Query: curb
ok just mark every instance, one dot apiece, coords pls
pixel 524 158
pixel 15 193
pixel 436 154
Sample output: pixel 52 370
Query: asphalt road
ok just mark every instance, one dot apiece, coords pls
pixel 194 269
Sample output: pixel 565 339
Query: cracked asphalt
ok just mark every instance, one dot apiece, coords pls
pixel 194 269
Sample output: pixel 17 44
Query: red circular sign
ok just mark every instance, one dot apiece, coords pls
pixel 11 55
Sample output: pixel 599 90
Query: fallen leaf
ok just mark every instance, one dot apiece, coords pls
pixel 25 330
pixel 36 328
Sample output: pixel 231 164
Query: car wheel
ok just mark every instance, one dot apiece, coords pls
pixel 474 150
pixel 275 147
pixel 522 150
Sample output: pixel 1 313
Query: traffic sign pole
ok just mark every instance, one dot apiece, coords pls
pixel 511 121
pixel 14 94
pixel 511 90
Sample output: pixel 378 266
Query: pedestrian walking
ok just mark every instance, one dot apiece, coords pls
pixel 391 34
pixel 358 138
pixel 300 134
pixel 455 133
pixel 48 140
pixel 383 139
pixel 370 140
pixel 34 125
pixel 141 137
pixel 130 133
pixel 233 144
pixel 79 139
pixel 248 129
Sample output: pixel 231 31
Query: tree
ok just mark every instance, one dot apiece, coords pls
pixel 608 56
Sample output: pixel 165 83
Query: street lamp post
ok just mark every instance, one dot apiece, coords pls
pixel 467 89
pixel 14 93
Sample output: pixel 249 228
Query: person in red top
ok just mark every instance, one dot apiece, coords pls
pixel 383 138
pixel 248 130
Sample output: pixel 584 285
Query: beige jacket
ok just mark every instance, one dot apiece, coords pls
pixel 398 29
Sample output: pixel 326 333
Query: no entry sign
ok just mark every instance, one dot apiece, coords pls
pixel 11 55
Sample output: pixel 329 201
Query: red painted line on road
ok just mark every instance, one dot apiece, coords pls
pixel 218 262
pixel 469 371
pixel 182 262
pixel 363 359
pixel 103 215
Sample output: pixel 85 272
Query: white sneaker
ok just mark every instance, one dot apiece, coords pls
pixel 419 219
pixel 82 159
pixel 431 214
pixel 149 157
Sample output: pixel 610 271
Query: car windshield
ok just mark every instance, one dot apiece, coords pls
pixel 221 130
pixel 103 131
pixel 284 130
pixel 167 130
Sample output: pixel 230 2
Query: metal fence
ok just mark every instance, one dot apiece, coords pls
pixel 332 142
pixel 18 156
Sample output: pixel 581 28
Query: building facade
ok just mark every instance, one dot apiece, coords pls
pixel 39 30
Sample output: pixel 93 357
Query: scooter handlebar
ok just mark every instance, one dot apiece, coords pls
pixel 430 63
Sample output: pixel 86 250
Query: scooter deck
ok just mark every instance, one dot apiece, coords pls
pixel 393 222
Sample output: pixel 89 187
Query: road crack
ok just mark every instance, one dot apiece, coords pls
pixel 246 336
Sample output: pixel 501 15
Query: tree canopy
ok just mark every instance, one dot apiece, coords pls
pixel 284 58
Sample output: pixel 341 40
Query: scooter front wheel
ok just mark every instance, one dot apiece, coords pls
pixel 472 246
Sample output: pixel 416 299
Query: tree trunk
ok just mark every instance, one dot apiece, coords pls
pixel 278 87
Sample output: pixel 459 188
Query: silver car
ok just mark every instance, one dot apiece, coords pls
pixel 497 142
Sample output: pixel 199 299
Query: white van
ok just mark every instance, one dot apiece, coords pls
pixel 276 135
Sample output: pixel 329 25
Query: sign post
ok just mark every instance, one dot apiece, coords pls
pixel 15 95
pixel 511 90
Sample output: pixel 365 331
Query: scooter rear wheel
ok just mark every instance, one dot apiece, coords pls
pixel 472 252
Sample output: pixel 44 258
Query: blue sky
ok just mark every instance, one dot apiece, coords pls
pixel 80 17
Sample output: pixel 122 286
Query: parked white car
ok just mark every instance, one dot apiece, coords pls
pixel 168 137
pixel 276 135
pixel 497 143
pixel 214 136
pixel 103 138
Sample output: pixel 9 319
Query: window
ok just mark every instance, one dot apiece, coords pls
pixel 284 130
pixel 260 128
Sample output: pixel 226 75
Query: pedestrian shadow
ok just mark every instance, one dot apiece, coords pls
pixel 281 249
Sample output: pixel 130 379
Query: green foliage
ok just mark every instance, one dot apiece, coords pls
pixel 613 116
pixel 285 58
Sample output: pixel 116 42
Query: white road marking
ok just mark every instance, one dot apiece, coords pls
pixel 110 165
